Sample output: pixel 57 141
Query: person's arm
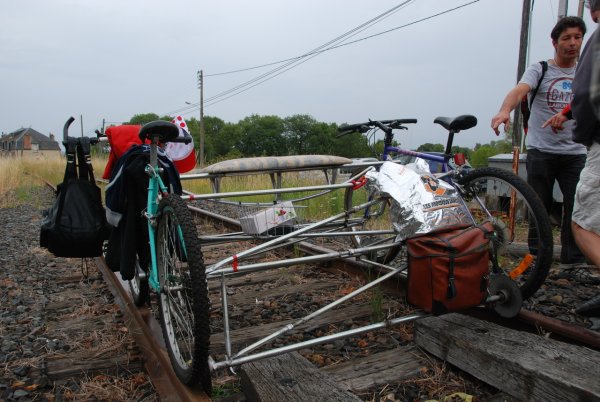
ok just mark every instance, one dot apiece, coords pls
pixel 557 121
pixel 595 81
pixel 511 101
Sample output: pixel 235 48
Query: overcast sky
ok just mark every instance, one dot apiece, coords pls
pixel 113 59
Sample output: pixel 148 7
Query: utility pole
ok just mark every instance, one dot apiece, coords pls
pixel 563 5
pixel 517 136
pixel 517 139
pixel 580 9
pixel 201 87
pixel 81 120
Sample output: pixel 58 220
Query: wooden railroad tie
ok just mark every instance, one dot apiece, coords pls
pixel 527 366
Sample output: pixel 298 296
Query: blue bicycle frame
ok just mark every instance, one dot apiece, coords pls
pixel 443 160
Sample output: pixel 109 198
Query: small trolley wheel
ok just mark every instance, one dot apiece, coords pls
pixel 522 241
pixel 511 298
pixel 138 285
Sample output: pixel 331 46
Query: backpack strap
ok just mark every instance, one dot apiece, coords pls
pixel 451 291
pixel 71 145
pixel 526 104
pixel 86 171
pixel 71 169
pixel 544 64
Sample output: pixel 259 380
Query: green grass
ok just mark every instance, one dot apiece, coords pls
pixel 376 302
pixel 309 210
pixel 229 387
pixel 19 175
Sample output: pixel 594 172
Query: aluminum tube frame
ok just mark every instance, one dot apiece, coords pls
pixel 239 236
pixel 324 339
pixel 353 252
pixel 225 317
pixel 192 197
pixel 315 313
pixel 363 165
pixel 213 215
pixel 239 358
pixel 284 238
pixel 269 204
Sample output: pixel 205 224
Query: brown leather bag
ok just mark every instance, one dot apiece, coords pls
pixel 448 269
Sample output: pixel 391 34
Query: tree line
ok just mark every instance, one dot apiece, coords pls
pixel 299 134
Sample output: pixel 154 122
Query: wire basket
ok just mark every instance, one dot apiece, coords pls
pixel 276 219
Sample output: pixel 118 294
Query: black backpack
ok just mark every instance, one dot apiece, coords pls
pixel 527 103
pixel 75 226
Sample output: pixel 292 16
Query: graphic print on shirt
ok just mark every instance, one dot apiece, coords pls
pixel 559 94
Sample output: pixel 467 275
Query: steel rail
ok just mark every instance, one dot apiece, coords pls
pixel 156 361
pixel 565 329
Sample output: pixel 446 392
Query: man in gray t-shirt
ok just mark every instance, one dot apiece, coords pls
pixel 553 95
pixel 551 154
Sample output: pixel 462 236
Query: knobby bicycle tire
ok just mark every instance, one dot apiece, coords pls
pixel 183 298
pixel 375 217
pixel 524 238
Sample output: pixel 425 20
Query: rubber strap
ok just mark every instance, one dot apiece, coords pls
pixel 359 183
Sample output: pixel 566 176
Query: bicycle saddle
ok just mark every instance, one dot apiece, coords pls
pixel 165 130
pixel 462 122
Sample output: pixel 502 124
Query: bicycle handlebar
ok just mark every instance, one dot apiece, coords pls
pixel 399 121
pixel 66 129
pixel 186 139
pixel 71 119
pixel 383 124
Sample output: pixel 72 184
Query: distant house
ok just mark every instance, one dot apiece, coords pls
pixel 27 142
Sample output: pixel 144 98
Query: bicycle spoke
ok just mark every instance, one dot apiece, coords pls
pixel 183 294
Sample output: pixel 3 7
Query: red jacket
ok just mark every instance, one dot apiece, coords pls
pixel 120 138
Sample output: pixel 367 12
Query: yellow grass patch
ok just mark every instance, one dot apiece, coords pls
pixel 18 176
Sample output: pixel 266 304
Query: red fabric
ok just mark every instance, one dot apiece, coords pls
pixel 186 164
pixel 183 155
pixel 120 138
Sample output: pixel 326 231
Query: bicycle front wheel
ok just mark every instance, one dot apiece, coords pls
pixel 372 226
pixel 183 297
pixel 522 247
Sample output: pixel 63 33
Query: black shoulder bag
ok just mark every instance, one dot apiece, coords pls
pixel 75 226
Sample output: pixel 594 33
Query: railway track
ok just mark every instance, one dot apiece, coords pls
pixel 62 337
pixel 368 364
pixel 380 364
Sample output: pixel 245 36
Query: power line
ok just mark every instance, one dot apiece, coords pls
pixel 406 25
pixel 253 68
pixel 344 44
pixel 213 100
pixel 370 23
pixel 296 61
pixel 184 110
pixel 312 53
